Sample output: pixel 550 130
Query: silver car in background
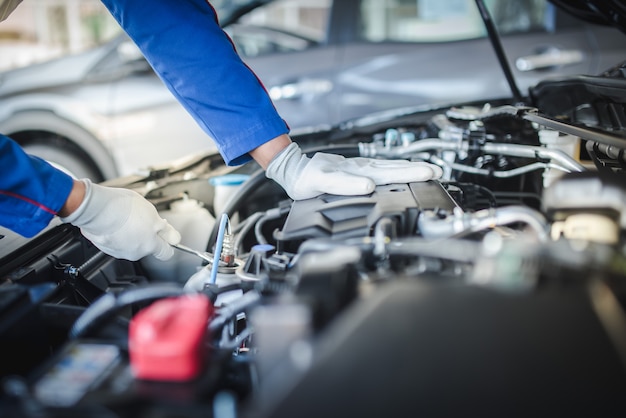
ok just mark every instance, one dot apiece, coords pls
pixel 104 113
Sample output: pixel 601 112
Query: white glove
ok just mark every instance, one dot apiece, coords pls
pixel 303 177
pixel 123 224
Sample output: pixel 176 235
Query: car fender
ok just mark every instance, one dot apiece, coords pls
pixel 64 117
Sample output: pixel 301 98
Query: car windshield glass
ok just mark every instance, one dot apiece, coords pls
pixel 305 19
pixel 447 20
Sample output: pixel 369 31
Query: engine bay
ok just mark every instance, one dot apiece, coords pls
pixel 497 289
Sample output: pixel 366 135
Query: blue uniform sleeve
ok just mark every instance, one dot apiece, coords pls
pixel 31 190
pixel 193 56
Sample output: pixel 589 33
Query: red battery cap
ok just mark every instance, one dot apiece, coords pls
pixel 167 339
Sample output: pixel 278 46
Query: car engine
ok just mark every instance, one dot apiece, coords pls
pixel 497 289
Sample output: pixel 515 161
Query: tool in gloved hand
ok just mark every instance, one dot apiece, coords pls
pixel 303 177
pixel 123 224
pixel 206 256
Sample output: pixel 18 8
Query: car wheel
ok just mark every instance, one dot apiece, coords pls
pixel 66 158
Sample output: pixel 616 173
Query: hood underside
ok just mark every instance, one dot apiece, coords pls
pixel 605 12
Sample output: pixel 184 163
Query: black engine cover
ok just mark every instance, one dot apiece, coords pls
pixel 341 217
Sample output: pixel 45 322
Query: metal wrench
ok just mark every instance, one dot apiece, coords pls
pixel 206 256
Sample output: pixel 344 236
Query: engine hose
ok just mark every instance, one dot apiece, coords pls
pixel 109 304
pixel 379 151
pixel 432 226
pixel 528 151
pixel 228 312
pixel 244 227
pixel 462 251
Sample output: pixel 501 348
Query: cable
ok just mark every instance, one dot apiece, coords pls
pixel 243 228
pixel 227 312
pixel 218 247
pixel 109 304
pixel 258 229
pixel 457 224
pixel 269 215
pixel 514 172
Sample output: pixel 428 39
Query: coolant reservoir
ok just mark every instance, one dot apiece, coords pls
pixel 195 223
pixel 226 186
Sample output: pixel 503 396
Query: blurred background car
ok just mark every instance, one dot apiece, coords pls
pixel 104 113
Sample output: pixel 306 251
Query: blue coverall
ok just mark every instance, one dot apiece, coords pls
pixel 196 60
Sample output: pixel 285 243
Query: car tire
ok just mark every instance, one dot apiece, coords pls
pixel 65 158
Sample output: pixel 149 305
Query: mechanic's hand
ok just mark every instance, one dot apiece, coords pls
pixel 303 177
pixel 123 224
